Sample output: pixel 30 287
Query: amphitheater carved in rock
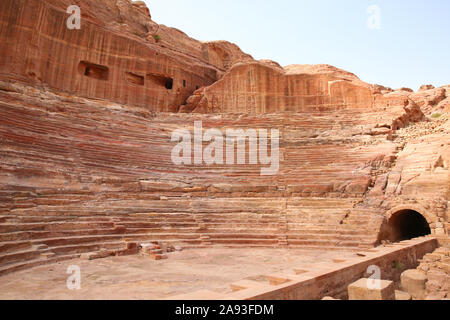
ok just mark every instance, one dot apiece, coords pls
pixel 87 177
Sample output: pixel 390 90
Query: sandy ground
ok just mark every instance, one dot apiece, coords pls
pixel 138 277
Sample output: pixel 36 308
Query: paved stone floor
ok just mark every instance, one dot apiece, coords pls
pixel 138 277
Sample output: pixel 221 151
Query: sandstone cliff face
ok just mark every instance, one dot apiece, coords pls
pixel 86 118
pixel 433 100
pixel 114 45
pixel 259 87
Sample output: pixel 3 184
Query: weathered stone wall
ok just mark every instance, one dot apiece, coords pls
pixel 78 175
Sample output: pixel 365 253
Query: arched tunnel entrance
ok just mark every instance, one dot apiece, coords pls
pixel 404 225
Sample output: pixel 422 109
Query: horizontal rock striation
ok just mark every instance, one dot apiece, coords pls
pixel 259 87
pixel 86 118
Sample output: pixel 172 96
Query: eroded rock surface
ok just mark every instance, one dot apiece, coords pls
pixel 86 118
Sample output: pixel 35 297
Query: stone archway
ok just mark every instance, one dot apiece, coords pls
pixel 404 224
pixel 408 224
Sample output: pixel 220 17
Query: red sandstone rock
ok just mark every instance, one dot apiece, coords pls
pixel 360 290
pixel 261 87
pixel 133 71
pixel 86 118
pixel 428 100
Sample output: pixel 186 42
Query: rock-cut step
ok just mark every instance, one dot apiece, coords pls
pixel 22 265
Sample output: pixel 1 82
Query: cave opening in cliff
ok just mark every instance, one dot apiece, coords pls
pixel 93 70
pixel 407 224
pixel 160 80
